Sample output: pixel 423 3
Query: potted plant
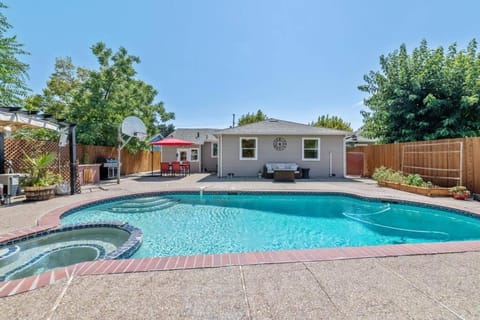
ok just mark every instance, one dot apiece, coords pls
pixel 40 181
pixel 460 192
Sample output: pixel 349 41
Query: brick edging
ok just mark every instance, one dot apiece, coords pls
pixel 100 267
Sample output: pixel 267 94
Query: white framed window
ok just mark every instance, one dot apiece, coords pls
pixel 182 154
pixel 188 154
pixel 214 150
pixel 194 152
pixel 248 148
pixel 311 149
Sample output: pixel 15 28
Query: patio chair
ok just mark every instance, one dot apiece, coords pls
pixel 164 168
pixel 186 167
pixel 176 168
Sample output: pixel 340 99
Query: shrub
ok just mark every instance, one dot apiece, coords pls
pixel 386 174
pixel 415 180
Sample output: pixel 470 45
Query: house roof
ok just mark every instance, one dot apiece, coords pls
pixel 281 127
pixel 357 138
pixel 196 135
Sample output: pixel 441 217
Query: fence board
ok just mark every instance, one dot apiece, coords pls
pixel 437 159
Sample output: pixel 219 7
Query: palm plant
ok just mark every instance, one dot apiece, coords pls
pixel 39 174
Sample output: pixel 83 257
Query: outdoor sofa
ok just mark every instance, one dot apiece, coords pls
pixel 281 171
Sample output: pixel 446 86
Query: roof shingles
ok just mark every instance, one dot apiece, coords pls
pixel 275 127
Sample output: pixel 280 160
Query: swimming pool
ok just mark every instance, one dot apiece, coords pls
pixel 188 224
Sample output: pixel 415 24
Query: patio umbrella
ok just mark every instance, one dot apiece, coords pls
pixel 172 142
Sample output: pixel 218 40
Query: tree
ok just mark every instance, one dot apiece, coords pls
pixel 165 129
pixel 62 88
pixel 13 72
pixel 333 122
pixel 98 100
pixel 425 95
pixel 109 95
pixel 251 118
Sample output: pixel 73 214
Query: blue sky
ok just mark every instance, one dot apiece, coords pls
pixel 295 59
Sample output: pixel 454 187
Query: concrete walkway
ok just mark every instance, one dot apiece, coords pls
pixel 411 287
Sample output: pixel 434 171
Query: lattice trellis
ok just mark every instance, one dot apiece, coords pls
pixel 15 150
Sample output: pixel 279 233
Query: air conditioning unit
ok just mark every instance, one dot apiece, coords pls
pixel 10 183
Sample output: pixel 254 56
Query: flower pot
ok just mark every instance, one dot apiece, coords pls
pixel 39 193
pixel 460 196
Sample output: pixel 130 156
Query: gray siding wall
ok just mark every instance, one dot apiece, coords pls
pixel 208 162
pixel 231 162
pixel 169 154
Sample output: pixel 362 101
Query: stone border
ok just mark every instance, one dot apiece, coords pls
pixel 98 267
pixel 124 251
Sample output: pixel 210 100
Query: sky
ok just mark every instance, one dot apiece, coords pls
pixel 295 60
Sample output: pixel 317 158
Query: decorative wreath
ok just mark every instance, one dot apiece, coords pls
pixel 279 143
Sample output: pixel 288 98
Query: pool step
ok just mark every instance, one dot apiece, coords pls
pixel 143 208
pixel 143 204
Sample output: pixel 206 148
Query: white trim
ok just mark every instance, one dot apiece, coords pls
pixel 198 154
pixel 303 149
pixel 211 150
pixel 240 148
pixel 178 151
pixel 189 154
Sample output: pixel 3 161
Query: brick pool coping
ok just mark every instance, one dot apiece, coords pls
pixel 101 267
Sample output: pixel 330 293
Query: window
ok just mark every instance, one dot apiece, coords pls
pixel 193 155
pixel 311 149
pixel 248 148
pixel 214 150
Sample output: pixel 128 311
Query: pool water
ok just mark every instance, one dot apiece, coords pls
pixel 188 224
pixel 35 255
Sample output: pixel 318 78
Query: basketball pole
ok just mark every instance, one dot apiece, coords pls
pixel 132 127
pixel 121 144
pixel 119 151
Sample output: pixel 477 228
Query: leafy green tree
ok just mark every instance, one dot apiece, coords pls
pixel 165 130
pixel 426 95
pixel 98 100
pixel 251 118
pixel 332 122
pixel 62 88
pixel 110 94
pixel 13 72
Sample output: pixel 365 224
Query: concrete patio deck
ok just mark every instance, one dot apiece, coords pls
pixel 409 287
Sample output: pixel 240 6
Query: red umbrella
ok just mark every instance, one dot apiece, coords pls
pixel 171 142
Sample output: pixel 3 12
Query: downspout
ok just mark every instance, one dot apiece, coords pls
pixel 330 164
pixel 345 156
pixel 220 156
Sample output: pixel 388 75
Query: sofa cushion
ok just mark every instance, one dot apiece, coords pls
pixel 272 166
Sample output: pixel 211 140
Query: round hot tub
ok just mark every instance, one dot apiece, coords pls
pixel 65 246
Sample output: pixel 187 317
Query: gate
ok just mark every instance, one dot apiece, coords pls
pixel 355 163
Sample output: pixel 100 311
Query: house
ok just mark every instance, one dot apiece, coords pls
pixel 356 139
pixel 243 151
pixel 202 154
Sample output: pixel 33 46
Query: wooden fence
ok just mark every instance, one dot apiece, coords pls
pixel 447 162
pixel 140 162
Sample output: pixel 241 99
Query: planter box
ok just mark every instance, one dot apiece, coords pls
pixel 430 192
pixel 39 193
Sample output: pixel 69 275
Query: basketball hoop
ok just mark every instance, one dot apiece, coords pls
pixel 140 136
pixel 132 127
